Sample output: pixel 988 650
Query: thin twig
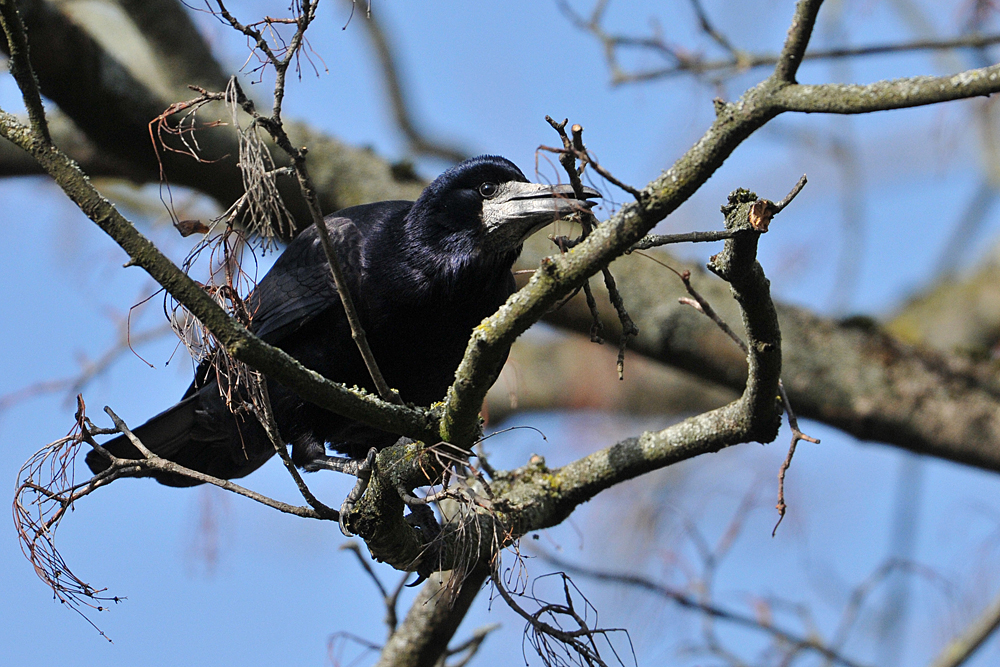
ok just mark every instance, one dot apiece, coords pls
pixel 792 194
pixel 689 61
pixel 574 150
pixel 797 435
pixel 656 240
pixel 580 641
pixel 629 329
pixel 711 31
pixel 471 645
pixel 154 463
pixel 765 210
pixel 389 599
pixel 596 326
pixel 271 427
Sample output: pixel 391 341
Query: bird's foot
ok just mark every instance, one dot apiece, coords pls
pixel 335 463
pixel 363 471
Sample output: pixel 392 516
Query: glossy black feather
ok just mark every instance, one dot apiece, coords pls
pixel 421 280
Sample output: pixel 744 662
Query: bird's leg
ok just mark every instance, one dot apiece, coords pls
pixel 335 463
pixel 364 474
pixel 309 453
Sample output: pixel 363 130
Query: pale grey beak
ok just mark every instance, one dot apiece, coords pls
pixel 520 209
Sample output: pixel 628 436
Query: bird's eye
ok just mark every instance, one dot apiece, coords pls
pixel 489 190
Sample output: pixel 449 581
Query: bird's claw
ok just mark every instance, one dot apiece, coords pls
pixel 363 471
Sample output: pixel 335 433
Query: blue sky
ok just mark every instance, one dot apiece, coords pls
pixel 484 77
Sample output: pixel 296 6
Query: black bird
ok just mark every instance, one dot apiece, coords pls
pixel 422 275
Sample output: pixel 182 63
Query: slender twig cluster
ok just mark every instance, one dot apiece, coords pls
pixel 46 491
pixel 574 151
pixel 699 594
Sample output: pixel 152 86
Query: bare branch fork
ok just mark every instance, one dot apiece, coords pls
pixel 759 217
pixel 579 644
pixel 153 463
pixel 536 497
pixel 390 599
pixel 47 490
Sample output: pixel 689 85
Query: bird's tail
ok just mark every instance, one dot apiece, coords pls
pixel 168 435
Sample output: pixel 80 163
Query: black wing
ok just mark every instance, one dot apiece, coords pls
pixel 300 286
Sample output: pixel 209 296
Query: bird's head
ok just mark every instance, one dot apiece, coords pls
pixel 487 200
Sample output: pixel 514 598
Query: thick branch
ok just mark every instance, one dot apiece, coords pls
pixel 842 98
pixel 422 638
pixel 558 276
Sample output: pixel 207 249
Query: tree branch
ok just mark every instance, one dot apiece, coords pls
pixel 688 601
pixel 152 462
pixel 798 38
pixel 686 61
pixel 418 141
pixel 914 91
pixel 559 276
pixel 423 636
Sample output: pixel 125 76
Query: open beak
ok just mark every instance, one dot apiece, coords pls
pixel 521 209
